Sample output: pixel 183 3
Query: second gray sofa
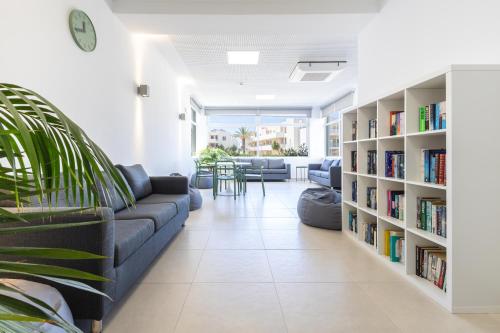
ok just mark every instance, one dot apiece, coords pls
pixel 273 168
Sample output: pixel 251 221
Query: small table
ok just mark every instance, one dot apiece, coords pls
pixel 303 172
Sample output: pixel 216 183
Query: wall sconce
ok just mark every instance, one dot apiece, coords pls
pixel 182 116
pixel 143 90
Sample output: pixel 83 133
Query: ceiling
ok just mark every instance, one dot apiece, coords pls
pixel 202 31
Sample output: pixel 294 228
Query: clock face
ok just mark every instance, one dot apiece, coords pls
pixel 82 30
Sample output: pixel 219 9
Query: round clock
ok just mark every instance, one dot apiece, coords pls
pixel 82 30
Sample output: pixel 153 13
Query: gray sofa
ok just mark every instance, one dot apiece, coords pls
pixel 328 173
pixel 131 239
pixel 273 168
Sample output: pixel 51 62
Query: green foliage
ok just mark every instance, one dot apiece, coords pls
pixel 290 152
pixel 212 155
pixel 243 134
pixel 276 146
pixel 303 150
pixel 42 152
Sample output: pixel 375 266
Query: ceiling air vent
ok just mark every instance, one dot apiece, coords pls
pixel 316 71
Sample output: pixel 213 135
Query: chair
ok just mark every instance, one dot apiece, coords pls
pixel 259 174
pixel 224 171
pixel 202 171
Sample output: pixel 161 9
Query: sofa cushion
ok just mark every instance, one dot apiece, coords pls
pixel 336 163
pixel 113 200
pixel 325 166
pixel 260 162
pixel 161 214
pixel 129 237
pixel 319 173
pixel 276 163
pixel 138 180
pixel 180 200
pixel 274 171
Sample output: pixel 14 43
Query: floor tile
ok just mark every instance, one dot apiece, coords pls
pixel 174 266
pixel 235 239
pixel 330 307
pixel 307 266
pixel 151 308
pixel 231 308
pixel 191 240
pixel 234 266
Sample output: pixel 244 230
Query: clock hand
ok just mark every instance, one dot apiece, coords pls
pixel 84 29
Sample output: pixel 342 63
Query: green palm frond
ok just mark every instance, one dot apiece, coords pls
pixel 45 155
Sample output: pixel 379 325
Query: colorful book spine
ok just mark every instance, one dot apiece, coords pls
pixel 431 215
pixel 432 117
pixel 430 264
pixel 371 197
pixel 396 122
pixel 433 166
pixel 395 204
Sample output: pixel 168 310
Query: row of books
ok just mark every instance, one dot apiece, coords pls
pixel 369 233
pixel 354 130
pixel 433 166
pixel 372 162
pixel 396 122
pixel 432 117
pixel 353 221
pixel 354 195
pixel 395 164
pixel 396 204
pixel 395 245
pixel 431 215
pixel 372 128
pixel 431 265
pixel 371 197
pixel 354 159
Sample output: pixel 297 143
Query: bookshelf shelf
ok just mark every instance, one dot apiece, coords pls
pixel 392 137
pixel 466 94
pixel 370 211
pixel 393 221
pixel 351 203
pixel 441 241
pixel 368 140
pixel 392 179
pixel 367 175
pixel 429 133
pixel 424 184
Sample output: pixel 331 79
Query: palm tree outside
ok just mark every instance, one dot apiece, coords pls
pixel 243 134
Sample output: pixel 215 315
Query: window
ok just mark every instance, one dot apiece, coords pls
pixel 253 135
pixel 195 108
pixel 333 138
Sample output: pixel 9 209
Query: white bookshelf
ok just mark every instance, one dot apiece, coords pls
pixel 472 190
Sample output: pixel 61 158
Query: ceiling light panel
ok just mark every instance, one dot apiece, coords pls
pixel 243 57
pixel 265 97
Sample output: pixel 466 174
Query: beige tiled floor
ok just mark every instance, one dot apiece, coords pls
pixel 250 266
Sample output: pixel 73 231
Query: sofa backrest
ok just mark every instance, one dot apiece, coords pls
pixel 325 166
pixel 260 162
pixel 276 163
pixel 138 180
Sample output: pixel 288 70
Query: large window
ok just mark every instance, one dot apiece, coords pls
pixel 333 134
pixel 249 135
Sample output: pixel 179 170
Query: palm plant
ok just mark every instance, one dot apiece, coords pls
pixel 41 153
pixel 243 134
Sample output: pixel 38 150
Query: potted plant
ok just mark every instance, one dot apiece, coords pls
pixel 41 152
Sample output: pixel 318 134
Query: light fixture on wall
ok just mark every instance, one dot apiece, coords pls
pixel 143 90
pixel 182 116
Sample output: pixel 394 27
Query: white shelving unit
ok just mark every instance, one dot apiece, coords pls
pixel 472 190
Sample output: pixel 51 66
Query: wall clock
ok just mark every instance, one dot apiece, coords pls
pixel 82 30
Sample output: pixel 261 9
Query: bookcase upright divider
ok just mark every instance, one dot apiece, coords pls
pixel 471 165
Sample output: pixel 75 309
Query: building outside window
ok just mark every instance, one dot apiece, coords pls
pixel 269 135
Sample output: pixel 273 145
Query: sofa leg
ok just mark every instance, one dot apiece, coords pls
pixel 96 326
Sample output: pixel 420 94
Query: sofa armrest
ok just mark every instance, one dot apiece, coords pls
pixel 288 170
pixel 336 176
pixel 314 166
pixel 96 238
pixel 170 185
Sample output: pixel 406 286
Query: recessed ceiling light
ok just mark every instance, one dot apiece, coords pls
pixel 265 97
pixel 243 57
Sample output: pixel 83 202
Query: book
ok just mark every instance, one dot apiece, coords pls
pixel 396 122
pixel 395 236
pixel 395 204
pixel 354 130
pixel 372 128
pixel 371 197
pixel 431 215
pixel 353 221
pixel 433 166
pixel 354 159
pixel 372 162
pixel 395 164
pixel 354 189
pixel 432 117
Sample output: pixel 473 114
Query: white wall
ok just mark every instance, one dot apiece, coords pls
pixel 98 90
pixel 413 38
